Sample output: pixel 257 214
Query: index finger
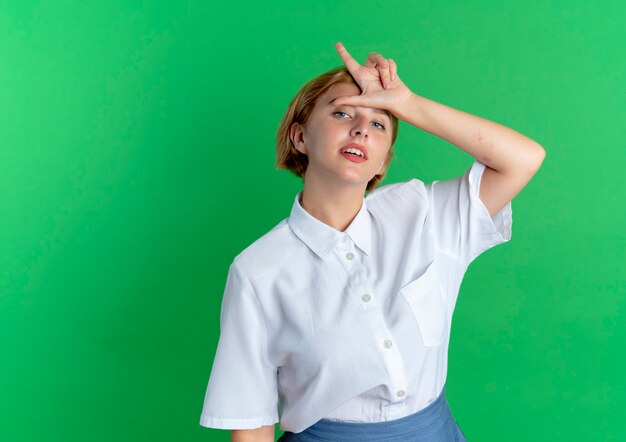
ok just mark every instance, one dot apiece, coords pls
pixel 347 59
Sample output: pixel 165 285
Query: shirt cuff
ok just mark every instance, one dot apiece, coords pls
pixel 236 424
pixel 498 226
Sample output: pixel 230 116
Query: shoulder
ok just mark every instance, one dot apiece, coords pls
pixel 267 252
pixel 389 196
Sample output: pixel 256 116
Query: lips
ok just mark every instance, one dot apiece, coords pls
pixel 357 146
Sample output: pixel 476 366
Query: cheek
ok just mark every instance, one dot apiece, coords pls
pixel 385 138
pixel 388 137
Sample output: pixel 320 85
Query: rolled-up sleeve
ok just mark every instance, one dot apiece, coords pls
pixel 463 226
pixel 242 389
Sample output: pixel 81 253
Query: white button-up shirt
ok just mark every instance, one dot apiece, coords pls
pixel 351 326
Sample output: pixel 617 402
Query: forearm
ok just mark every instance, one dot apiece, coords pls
pixel 493 144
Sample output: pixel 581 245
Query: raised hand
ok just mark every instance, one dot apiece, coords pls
pixel 378 80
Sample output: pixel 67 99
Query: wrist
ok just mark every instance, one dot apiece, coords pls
pixel 408 109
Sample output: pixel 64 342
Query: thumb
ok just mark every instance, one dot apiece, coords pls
pixel 353 100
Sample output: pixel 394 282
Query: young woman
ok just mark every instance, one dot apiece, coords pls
pixel 336 323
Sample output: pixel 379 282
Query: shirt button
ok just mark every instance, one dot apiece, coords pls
pixel 344 238
pixel 366 297
pixel 349 255
pixel 387 343
pixel 400 393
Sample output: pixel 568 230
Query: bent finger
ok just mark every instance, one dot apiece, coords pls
pixel 375 58
pixel 385 77
pixel 394 69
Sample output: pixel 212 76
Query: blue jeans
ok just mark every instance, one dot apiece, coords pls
pixel 431 424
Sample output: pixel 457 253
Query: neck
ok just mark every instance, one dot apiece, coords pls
pixel 334 206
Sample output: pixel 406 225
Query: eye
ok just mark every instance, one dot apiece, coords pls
pixel 376 123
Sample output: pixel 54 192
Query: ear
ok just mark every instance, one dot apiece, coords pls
pixel 296 135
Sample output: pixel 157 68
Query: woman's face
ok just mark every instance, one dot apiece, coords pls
pixel 330 128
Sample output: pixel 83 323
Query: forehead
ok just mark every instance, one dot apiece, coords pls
pixel 342 90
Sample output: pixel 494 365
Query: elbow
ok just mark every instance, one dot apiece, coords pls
pixel 536 159
pixel 541 153
pixel 523 161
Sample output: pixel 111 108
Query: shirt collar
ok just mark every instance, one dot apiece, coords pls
pixel 322 238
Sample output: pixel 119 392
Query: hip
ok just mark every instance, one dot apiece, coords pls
pixel 434 423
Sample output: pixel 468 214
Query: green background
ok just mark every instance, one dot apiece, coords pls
pixel 137 159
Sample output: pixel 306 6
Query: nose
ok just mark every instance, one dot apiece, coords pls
pixel 360 126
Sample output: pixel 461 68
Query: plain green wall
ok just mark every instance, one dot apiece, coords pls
pixel 137 160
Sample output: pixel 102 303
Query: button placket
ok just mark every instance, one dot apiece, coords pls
pixel 344 242
pixel 352 262
pixel 393 360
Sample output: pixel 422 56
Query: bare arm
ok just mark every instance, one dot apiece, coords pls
pixel 263 434
pixel 511 158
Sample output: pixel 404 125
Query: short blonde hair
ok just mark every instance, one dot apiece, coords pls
pixel 299 111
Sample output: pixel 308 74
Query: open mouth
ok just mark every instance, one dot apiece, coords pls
pixel 354 157
pixel 354 152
